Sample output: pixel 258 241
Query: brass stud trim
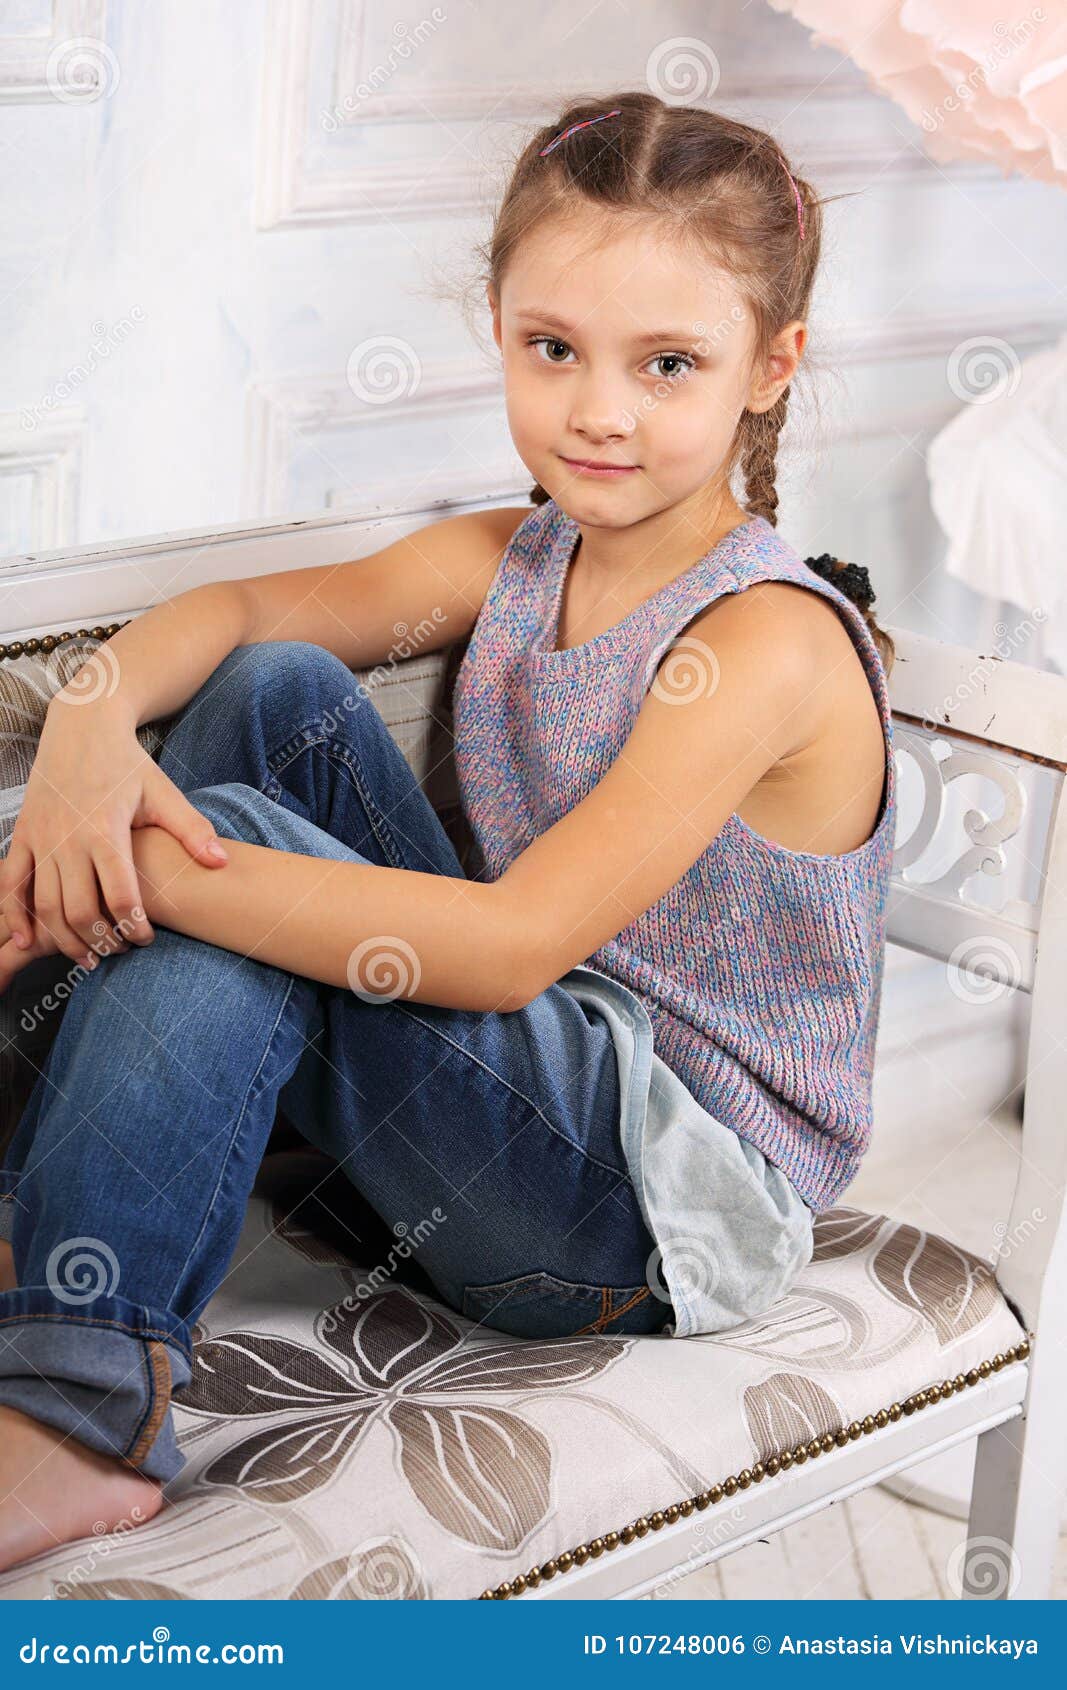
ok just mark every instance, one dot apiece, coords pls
pixel 48 642
pixel 768 1466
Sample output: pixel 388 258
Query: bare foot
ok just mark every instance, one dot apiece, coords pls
pixel 54 1489
pixel 8 1282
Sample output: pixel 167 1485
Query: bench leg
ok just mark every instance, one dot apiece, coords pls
pixel 1014 1525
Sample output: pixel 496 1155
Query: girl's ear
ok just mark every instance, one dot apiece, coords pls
pixel 784 357
pixel 494 306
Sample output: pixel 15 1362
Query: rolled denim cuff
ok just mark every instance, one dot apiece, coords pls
pixel 104 1372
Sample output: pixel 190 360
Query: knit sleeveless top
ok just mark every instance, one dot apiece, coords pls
pixel 761 968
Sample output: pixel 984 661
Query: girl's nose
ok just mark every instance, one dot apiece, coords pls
pixel 601 417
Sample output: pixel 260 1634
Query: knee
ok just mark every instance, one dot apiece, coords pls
pixel 285 670
pixel 293 683
pixel 238 811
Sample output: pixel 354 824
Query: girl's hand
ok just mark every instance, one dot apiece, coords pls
pixel 69 876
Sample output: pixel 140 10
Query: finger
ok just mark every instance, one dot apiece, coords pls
pixel 82 906
pixel 121 889
pixel 48 906
pixel 16 905
pixel 173 811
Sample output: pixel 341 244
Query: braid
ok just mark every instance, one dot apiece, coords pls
pixel 759 456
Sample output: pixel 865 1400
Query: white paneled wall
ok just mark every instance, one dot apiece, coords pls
pixel 226 223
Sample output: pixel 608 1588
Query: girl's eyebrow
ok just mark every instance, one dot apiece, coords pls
pixel 654 338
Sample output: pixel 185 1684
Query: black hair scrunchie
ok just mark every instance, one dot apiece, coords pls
pixel 851 579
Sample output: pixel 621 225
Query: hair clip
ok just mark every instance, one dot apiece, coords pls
pixel 852 579
pixel 575 126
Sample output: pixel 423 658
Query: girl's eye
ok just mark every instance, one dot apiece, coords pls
pixel 683 363
pixel 548 340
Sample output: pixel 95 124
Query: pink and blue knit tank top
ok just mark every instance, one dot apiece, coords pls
pixel 761 968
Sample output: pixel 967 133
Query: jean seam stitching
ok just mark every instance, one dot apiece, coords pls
pixel 594 1161
pixel 608 1315
pixel 342 752
pixel 150 1394
pixel 156 1359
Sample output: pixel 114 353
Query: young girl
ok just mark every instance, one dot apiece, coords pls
pixel 611 1076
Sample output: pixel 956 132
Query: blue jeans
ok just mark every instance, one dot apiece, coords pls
pixel 128 1178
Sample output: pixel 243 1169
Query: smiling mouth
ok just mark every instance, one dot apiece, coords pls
pixel 587 463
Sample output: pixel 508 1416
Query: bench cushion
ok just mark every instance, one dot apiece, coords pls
pixel 349 1436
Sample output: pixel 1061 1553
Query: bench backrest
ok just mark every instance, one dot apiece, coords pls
pixel 980 882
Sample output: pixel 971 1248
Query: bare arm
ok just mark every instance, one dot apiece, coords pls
pixel 69 868
pixel 402 934
pixel 432 583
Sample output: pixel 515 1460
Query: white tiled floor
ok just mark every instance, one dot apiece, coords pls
pixel 956 1181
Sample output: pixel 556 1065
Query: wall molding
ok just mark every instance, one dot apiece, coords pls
pixel 52 457
pixel 283 416
pixel 24 58
pixel 293 192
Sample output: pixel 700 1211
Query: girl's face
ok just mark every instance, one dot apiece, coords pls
pixel 626 350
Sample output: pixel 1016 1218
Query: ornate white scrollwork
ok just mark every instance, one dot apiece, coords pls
pixel 983 852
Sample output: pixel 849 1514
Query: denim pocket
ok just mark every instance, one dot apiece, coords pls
pixel 540 1305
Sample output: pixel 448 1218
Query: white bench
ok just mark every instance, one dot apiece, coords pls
pixel 407 1452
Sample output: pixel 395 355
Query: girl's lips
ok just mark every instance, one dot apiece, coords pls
pixel 599 469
